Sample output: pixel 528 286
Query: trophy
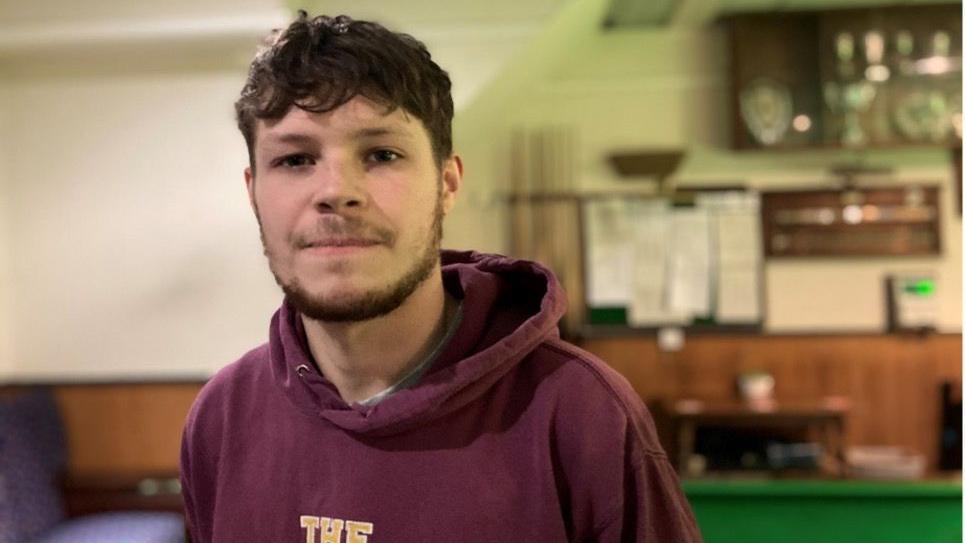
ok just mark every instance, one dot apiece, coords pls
pixel 850 100
pixel 928 111
pixel 849 96
pixel 766 106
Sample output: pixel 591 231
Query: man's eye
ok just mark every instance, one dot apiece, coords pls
pixel 295 161
pixel 384 155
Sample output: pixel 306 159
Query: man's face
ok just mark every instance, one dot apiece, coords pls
pixel 350 205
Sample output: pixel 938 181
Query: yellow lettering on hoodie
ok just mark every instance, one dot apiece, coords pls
pixel 332 530
pixel 310 523
pixel 357 531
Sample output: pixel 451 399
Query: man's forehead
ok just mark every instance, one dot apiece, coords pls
pixel 359 117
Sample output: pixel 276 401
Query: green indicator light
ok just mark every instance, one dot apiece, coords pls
pixel 923 287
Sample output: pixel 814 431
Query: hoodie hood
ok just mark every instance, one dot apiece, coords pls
pixel 509 307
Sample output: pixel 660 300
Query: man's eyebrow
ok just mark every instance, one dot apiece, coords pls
pixel 291 137
pixel 381 131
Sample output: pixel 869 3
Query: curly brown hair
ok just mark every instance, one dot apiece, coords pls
pixel 320 63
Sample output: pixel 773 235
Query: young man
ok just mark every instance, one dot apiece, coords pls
pixel 405 393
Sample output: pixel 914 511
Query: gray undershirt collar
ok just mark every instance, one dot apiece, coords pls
pixel 417 372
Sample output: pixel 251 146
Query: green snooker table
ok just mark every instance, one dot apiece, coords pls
pixel 827 511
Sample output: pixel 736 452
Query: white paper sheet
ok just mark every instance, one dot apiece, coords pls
pixel 738 280
pixel 690 262
pixel 648 305
pixel 609 253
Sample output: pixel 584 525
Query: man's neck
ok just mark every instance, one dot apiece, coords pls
pixel 364 358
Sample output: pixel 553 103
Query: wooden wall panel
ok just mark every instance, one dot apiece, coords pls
pixel 891 381
pixel 124 427
pixel 627 356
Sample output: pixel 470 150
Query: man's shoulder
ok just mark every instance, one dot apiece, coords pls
pixel 232 382
pixel 575 367
pixel 593 395
pixel 240 373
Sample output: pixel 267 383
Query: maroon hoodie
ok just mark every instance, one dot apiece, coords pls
pixel 511 435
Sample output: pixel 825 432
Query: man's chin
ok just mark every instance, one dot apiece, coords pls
pixel 347 301
pixel 344 307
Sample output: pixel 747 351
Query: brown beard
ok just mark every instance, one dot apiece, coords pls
pixel 368 305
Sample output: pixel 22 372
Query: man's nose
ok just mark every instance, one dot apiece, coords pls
pixel 339 186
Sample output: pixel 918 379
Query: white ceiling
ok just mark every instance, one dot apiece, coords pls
pixel 424 13
pixel 39 12
pixel 472 39
pixel 433 16
pixel 51 27
pixel 408 13
pixel 689 13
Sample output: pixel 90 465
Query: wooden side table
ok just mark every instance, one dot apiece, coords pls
pixel 825 419
pixel 95 493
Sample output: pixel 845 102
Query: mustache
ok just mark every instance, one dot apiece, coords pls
pixel 337 231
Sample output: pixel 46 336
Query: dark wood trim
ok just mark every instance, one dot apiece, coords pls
pixel 87 493
pixel 750 331
pixel 84 381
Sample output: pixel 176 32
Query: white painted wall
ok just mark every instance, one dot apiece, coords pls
pixel 7 354
pixel 482 129
pixel 134 250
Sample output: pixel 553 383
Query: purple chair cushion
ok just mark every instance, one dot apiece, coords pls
pixel 126 527
pixel 32 458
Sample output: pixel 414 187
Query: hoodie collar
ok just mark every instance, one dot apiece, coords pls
pixel 509 307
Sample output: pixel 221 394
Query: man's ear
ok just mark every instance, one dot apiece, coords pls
pixel 250 186
pixel 451 182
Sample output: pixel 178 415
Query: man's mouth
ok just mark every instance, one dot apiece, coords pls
pixel 342 242
pixel 339 246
